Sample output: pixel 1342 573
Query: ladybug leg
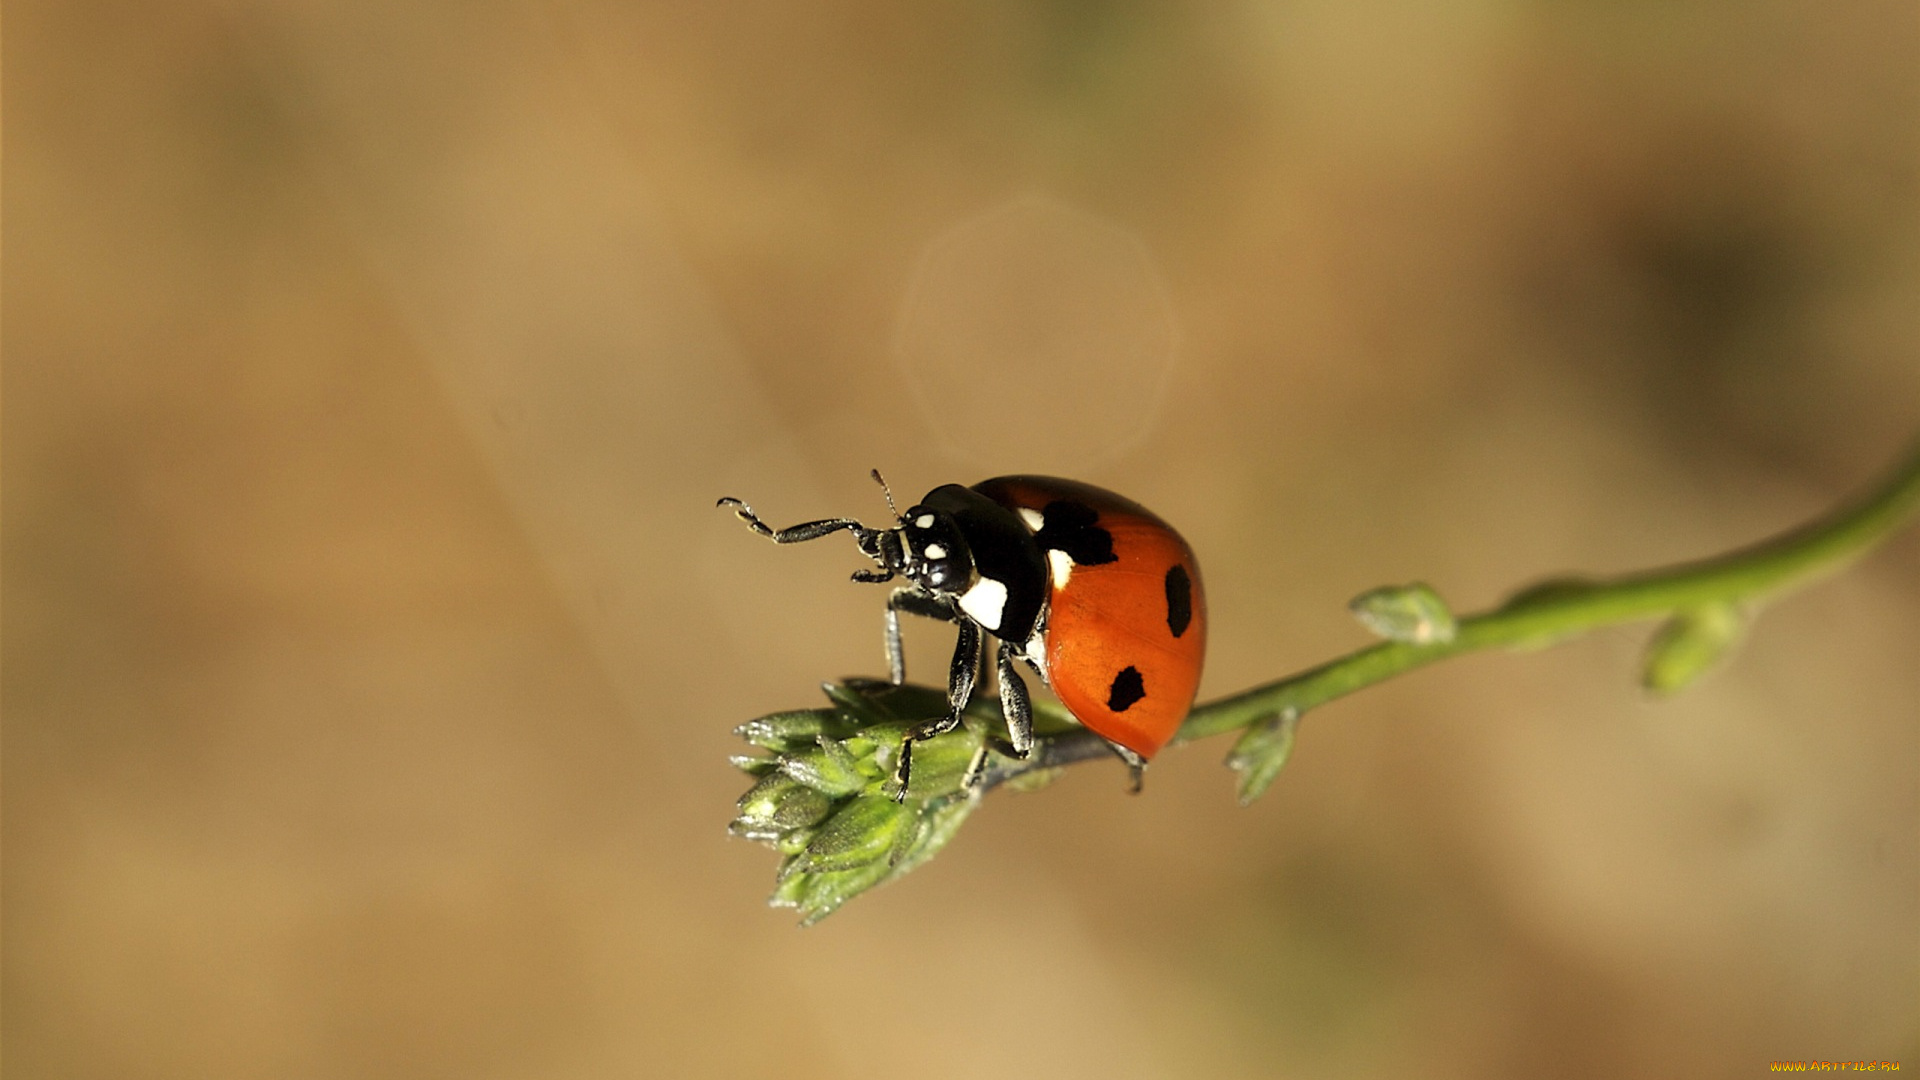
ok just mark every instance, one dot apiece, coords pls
pixel 914 602
pixel 1136 765
pixel 794 534
pixel 1014 704
pixel 1018 711
pixel 976 770
pixel 960 677
pixel 966 666
pixel 896 650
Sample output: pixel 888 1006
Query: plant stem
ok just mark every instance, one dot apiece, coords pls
pixel 1556 611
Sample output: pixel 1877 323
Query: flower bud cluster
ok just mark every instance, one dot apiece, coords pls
pixel 824 795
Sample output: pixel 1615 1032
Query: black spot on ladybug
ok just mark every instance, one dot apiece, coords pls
pixel 1179 600
pixel 1127 688
pixel 1074 528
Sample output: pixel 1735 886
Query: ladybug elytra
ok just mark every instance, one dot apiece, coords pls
pixel 1090 590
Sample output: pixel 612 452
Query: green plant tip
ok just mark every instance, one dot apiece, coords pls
pixel 823 795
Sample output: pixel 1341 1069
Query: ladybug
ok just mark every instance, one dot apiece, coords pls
pixel 1090 590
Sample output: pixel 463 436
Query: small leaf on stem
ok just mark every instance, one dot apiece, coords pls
pixel 1261 752
pixel 1411 613
pixel 1689 644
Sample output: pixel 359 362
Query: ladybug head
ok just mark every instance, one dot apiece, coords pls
pixel 936 554
pixel 927 548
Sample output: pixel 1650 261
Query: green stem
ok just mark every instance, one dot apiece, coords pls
pixel 1558 611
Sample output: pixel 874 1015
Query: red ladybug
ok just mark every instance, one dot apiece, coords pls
pixel 1093 592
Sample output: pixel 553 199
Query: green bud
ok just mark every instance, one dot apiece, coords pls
pixel 777 804
pixel 793 843
pixel 829 769
pixel 818 895
pixel 860 832
pixel 876 701
pixel 854 697
pixel 1689 644
pixel 1411 613
pixel 938 821
pixel 759 834
pixel 790 730
pixel 1261 752
pixel 823 799
pixel 752 765
pixel 763 798
pixel 789 883
pixel 939 765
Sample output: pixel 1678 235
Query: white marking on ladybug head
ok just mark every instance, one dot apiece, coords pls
pixel 985 602
pixel 935 551
pixel 1034 518
pixel 924 521
pixel 1062 565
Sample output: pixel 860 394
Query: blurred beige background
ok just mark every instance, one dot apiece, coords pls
pixel 372 643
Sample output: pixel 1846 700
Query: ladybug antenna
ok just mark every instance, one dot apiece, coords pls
pixel 888 492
